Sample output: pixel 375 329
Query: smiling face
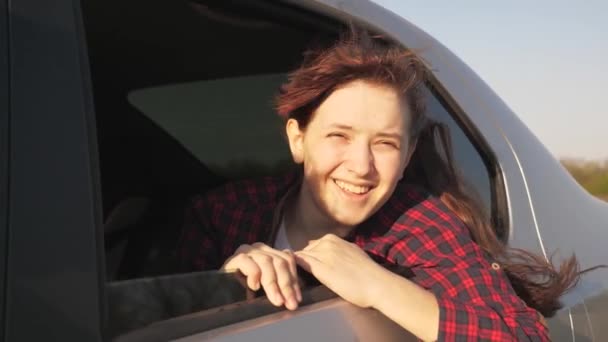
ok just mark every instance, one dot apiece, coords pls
pixel 354 150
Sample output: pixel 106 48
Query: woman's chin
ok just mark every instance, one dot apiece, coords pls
pixel 350 218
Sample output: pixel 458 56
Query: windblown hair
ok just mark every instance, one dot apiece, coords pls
pixel 359 56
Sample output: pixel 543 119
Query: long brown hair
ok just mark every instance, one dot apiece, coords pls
pixel 359 56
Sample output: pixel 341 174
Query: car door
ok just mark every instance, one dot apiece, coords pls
pixel 597 308
pixel 52 283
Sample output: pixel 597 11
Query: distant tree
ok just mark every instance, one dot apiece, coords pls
pixel 592 175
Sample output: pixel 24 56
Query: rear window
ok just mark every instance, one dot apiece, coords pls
pixel 229 124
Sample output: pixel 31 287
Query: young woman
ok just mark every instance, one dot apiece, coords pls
pixel 371 182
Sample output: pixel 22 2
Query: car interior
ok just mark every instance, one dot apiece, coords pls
pixel 183 93
pixel 147 173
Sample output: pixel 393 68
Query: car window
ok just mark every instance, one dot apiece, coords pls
pixel 473 161
pixel 183 105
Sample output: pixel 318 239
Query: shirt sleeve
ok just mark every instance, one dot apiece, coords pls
pixel 476 300
pixel 198 246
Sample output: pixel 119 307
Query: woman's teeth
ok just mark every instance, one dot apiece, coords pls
pixel 356 189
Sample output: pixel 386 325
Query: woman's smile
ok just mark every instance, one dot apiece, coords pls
pixel 352 192
pixel 352 188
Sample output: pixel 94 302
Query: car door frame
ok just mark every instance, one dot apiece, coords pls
pixel 54 287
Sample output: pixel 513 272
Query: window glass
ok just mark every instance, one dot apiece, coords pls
pixel 137 303
pixel 466 157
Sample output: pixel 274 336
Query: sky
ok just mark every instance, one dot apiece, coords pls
pixel 547 59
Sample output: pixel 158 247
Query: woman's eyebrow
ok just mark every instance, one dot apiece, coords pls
pixel 390 135
pixel 341 126
pixel 397 136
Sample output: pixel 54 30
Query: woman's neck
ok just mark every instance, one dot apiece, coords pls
pixel 304 221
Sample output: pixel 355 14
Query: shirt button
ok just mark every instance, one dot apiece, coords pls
pixel 495 266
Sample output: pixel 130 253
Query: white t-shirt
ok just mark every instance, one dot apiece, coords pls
pixel 281 242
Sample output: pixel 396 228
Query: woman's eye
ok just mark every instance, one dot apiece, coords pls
pixel 337 135
pixel 389 144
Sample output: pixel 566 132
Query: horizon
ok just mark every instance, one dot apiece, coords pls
pixel 550 66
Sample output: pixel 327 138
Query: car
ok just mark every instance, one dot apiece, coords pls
pixel 113 113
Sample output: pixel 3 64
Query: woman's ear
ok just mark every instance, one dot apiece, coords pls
pixel 295 136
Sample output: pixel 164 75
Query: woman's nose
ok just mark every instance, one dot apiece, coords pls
pixel 360 160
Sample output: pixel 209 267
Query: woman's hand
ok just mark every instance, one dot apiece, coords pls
pixel 353 275
pixel 272 269
pixel 344 268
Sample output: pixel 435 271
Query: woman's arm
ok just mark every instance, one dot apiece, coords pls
pixel 339 265
pixel 459 296
pixel 407 304
pixel 473 293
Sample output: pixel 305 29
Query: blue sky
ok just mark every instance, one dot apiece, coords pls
pixel 547 59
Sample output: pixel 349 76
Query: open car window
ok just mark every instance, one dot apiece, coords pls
pixel 183 95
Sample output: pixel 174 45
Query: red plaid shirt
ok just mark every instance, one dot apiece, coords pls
pixel 413 229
